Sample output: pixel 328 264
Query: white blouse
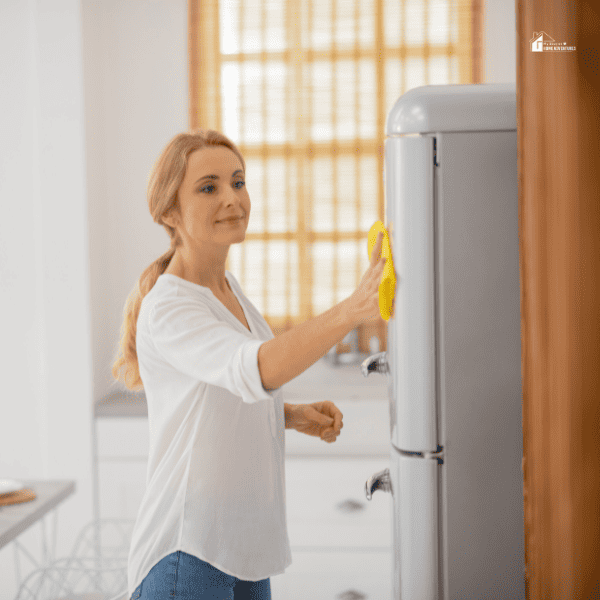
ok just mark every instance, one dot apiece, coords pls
pixel 215 484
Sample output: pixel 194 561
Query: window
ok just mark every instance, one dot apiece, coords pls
pixel 303 88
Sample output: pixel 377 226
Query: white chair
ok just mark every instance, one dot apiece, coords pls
pixel 95 570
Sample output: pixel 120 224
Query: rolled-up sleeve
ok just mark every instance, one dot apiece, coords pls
pixel 189 336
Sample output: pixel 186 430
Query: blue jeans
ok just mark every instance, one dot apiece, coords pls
pixel 181 576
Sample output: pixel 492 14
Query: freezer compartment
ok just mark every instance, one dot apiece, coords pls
pixel 411 332
pixel 415 508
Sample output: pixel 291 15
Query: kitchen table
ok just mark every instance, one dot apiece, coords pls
pixel 16 518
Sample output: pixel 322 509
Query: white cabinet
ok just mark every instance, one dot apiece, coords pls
pixel 123 451
pixel 366 431
pixel 122 464
pixel 341 542
pixel 122 486
pixel 123 437
pixel 327 507
pixel 331 575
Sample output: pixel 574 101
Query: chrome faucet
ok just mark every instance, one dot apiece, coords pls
pixel 354 357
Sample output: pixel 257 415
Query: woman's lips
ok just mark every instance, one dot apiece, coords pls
pixel 231 220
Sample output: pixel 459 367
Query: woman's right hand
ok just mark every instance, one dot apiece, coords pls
pixel 364 301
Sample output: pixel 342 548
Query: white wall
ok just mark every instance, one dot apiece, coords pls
pixel 499 41
pixel 135 58
pixel 90 92
pixel 45 325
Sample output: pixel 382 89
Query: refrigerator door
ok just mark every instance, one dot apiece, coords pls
pixel 411 332
pixel 479 358
pixel 414 482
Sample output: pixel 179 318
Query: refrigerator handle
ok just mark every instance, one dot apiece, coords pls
pixel 379 481
pixel 376 362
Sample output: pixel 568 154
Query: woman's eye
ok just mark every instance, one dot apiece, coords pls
pixel 212 186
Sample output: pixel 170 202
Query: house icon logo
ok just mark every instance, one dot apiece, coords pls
pixel 542 42
pixel 538 39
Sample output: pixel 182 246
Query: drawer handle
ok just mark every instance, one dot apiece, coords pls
pixel 379 481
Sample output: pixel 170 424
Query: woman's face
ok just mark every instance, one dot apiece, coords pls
pixel 212 190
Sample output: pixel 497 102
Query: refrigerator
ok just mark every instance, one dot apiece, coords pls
pixel 453 356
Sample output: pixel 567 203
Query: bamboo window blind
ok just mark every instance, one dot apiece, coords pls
pixel 303 88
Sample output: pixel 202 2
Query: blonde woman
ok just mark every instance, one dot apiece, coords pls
pixel 212 522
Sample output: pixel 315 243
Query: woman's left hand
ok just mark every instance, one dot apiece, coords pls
pixel 322 419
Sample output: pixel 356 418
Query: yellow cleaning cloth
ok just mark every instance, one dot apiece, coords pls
pixel 387 286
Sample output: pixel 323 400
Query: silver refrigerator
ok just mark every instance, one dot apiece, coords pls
pixel 453 358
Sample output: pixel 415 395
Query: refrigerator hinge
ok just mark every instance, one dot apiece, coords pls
pixel 435 162
pixel 439 454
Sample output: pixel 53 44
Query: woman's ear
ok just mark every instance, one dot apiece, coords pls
pixel 170 219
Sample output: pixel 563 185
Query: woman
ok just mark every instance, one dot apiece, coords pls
pixel 212 522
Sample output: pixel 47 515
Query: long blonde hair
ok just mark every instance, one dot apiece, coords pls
pixel 163 187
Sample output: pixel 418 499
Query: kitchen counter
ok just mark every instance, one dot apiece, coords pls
pixel 321 381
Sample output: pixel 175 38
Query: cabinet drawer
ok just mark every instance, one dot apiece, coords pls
pixel 122 486
pixel 366 431
pixel 122 437
pixel 335 575
pixel 325 500
pixel 327 506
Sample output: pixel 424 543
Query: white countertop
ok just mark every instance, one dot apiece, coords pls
pixel 321 381
pixel 341 382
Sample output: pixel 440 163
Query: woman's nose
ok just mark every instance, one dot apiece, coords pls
pixel 232 198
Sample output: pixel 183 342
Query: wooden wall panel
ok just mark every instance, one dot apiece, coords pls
pixel 558 119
